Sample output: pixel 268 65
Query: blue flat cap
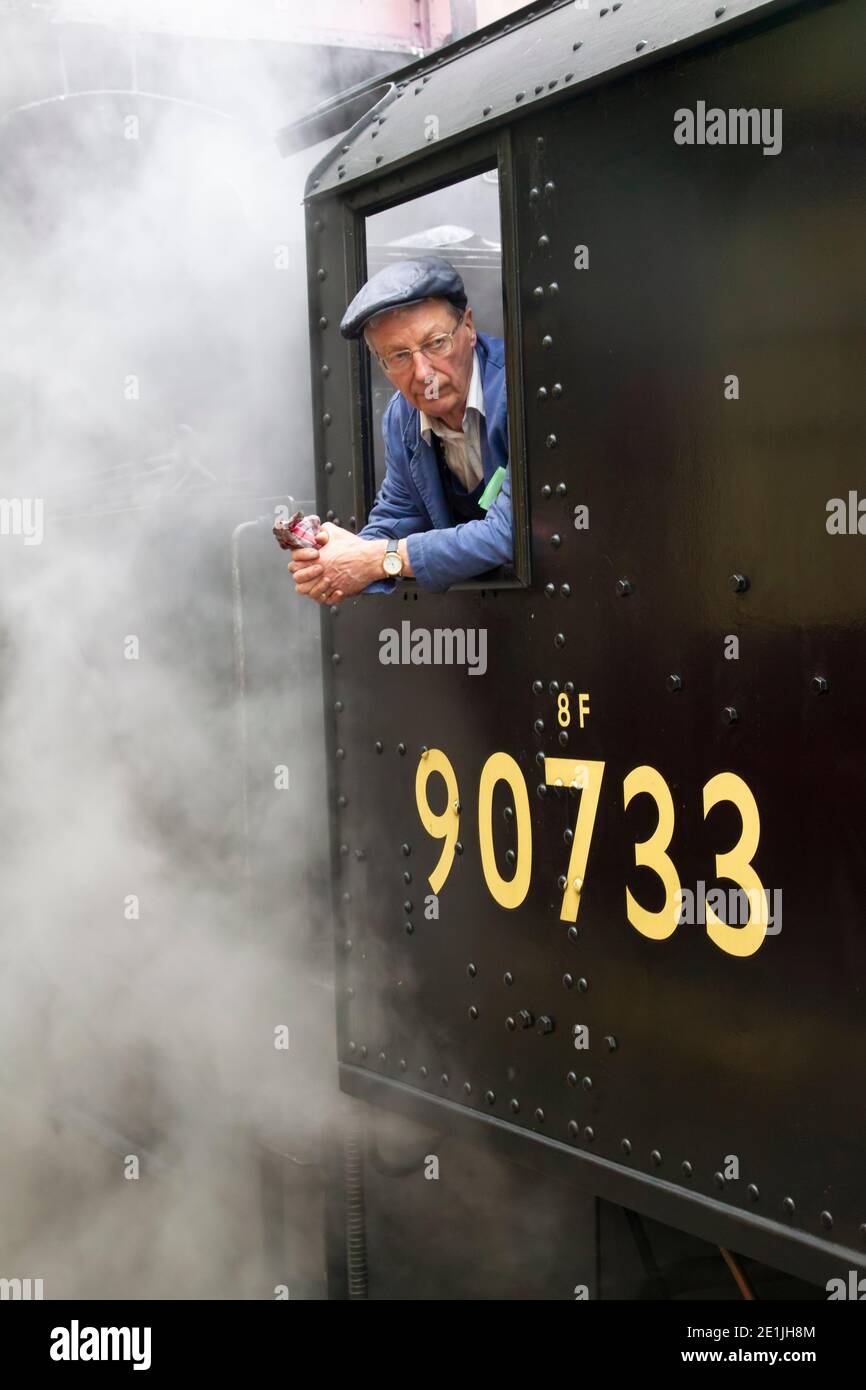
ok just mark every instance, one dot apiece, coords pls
pixel 399 284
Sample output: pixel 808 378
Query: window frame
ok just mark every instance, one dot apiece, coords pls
pixel 402 185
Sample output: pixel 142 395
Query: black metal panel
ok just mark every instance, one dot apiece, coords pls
pixel 704 261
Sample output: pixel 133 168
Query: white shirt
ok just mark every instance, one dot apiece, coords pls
pixel 462 448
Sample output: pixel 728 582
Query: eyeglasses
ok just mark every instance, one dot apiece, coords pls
pixel 440 345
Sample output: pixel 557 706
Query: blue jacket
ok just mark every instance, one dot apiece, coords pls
pixel 412 502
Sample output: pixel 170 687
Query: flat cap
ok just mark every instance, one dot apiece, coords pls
pixel 399 284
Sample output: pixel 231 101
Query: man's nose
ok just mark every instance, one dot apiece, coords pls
pixel 423 366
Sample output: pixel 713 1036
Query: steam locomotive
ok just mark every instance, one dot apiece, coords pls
pixel 599 933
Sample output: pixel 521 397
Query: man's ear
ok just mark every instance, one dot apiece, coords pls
pixel 467 319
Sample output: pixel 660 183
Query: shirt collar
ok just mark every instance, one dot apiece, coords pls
pixel 474 401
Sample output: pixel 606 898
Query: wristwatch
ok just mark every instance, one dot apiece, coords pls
pixel 392 563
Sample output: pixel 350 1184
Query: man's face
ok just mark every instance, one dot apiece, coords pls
pixel 435 385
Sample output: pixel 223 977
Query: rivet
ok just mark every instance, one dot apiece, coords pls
pixel 686 1169
pixel 553 688
pixel 534 194
pixel 341 753
pixel 467 1088
pixel 325 369
pixel 583 985
pixel 342 801
pixel 407 906
pixel 537 687
pixel 789 1206
pixel 569 76
pixel 511 1023
pixel 510 856
pixel 568 981
pixel 363 1049
pixel 540 758
pixel 561 883
pixel 350 991
pixel 424 750
pixel 826 1220
pixel 720 11
pixel 344 849
pixel 557 389
pixel 382 1057
pixel 538 726
pixel 656 1158
pixel 573 1128
pixel 326 418
pixel 336 658
pixel 820 684
pixel 472 970
pixel 423 1073
pixel 541 393
pixel 538 292
pixel 674 683
pixel 518 96
pixel 602 13
pixel 586 1083
pixel 541 789
pixel 551 442
pixel 739 583
pixel 402 1064
pixel 576 46
pixel 515 1107
pixel 539 142
pixel 611 1042
pixel 589 1134
pixel 489 1097
pixel 545 1025
pixel 546 491
pixel 543 242
pixel 401 749
pixel 561 489
pixel 573 935
pixel 458 847
pixel 753 1192
pixel 486 110
pixel 409 928
pixel 407 877
pixel 508 978
pixel 569 687
pixel 379 158
pixel 625 1145
pixel 539 1115
pixel 539 88
pixel 329 467
pixel 321 274
pixel 718 1179
pixel 339 706
pixel 379 745
pixel 524 1018
pixel 549 590
pixel 624 587
pixel 639 45
pixel 547 341
pixel 729 715
pixel 559 639
pixel 353 1047
pixel 572 1078
pixel 550 187
pixel 565 590
pixel 444 1078
pixel 406 849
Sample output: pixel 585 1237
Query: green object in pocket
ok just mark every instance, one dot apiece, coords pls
pixel 492 490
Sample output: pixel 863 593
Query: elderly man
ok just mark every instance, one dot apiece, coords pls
pixel 443 513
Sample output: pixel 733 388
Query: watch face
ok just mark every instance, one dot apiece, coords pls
pixel 392 563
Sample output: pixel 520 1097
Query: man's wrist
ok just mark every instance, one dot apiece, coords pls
pixel 375 556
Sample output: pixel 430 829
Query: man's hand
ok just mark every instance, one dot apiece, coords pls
pixel 341 565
